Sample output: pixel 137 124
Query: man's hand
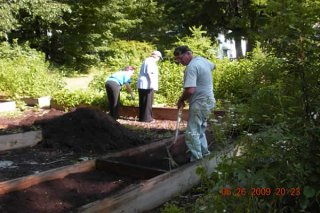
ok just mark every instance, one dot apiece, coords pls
pixel 180 103
pixel 132 97
pixel 187 93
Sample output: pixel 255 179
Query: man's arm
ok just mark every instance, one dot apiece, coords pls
pixel 187 93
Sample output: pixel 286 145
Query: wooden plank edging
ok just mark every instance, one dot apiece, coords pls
pixel 155 191
pixel 140 149
pixel 20 140
pixel 27 181
pixel 58 173
pixel 161 113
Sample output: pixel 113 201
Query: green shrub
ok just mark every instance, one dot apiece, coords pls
pixel 121 53
pixel 24 73
pixel 170 83
pixel 198 42
pixel 171 208
pixel 274 158
pixel 70 99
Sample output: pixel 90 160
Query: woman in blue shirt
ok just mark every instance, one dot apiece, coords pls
pixel 113 86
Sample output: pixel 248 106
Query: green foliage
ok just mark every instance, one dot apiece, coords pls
pixel 294 23
pixel 171 82
pixel 7 19
pixel 92 28
pixel 198 42
pixel 71 99
pixel 118 55
pixel 121 53
pixel 24 73
pixel 278 119
pixel 274 159
pixel 237 81
pixel 262 83
pixel 171 208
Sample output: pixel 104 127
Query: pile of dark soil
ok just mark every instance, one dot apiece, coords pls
pixel 87 130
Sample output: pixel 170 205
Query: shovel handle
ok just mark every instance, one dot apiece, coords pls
pixel 179 118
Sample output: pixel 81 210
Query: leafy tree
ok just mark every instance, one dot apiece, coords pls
pixel 31 21
pixel 241 17
pixel 7 19
pixel 76 32
pixel 293 22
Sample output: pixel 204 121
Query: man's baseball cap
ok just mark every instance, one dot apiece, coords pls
pixel 157 53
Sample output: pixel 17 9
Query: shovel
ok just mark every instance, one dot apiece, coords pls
pixel 172 162
pixel 179 118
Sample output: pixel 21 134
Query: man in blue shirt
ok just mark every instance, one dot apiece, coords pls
pixel 113 86
pixel 198 91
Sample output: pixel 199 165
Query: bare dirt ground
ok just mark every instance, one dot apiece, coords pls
pixel 80 82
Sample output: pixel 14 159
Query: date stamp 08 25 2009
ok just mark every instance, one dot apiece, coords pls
pixel 239 191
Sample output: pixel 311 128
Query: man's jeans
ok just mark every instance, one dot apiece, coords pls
pixel 195 133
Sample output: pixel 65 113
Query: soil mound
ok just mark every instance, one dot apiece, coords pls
pixel 87 130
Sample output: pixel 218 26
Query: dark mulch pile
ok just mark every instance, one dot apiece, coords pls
pixel 87 130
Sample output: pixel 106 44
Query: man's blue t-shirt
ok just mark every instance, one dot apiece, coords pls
pixel 198 74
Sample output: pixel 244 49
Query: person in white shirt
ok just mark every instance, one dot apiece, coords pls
pixel 147 84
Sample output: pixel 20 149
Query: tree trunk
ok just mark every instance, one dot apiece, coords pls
pixel 249 45
pixel 237 40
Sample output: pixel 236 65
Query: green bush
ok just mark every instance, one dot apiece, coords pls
pixel 273 159
pixel 71 99
pixel 198 42
pixel 24 73
pixel 121 53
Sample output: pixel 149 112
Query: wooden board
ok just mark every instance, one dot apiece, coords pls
pixel 25 182
pixel 161 113
pixel 157 190
pixel 20 140
pixel 42 102
pixel 7 106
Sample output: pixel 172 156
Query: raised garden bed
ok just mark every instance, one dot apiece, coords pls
pixel 120 182
pixel 42 102
pixel 160 113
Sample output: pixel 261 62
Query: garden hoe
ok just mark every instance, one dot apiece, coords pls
pixel 172 162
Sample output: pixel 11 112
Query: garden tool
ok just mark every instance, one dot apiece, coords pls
pixel 179 118
pixel 172 162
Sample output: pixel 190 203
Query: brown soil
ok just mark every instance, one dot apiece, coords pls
pixel 82 134
pixel 64 195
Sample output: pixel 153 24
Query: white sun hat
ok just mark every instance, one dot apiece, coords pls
pixel 157 53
